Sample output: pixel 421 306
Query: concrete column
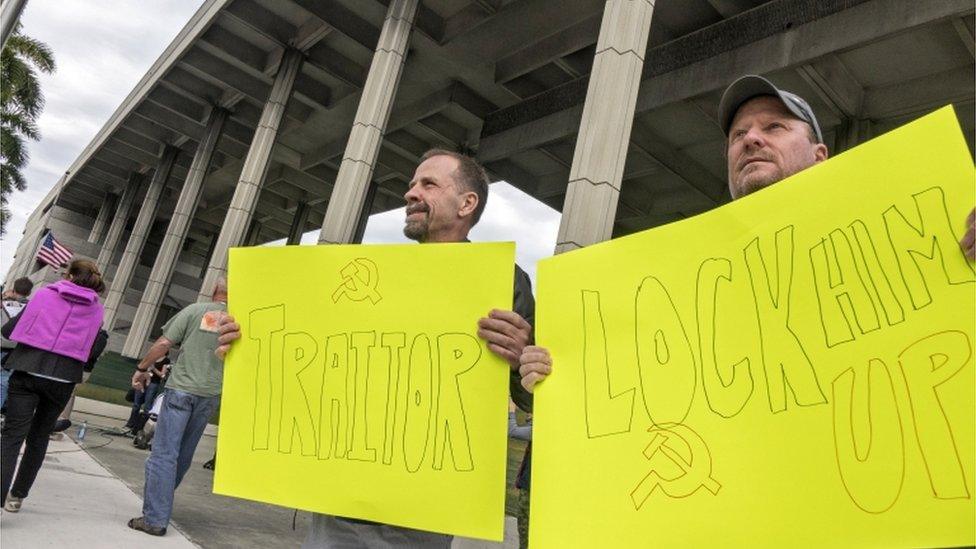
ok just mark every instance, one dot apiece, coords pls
pixel 298 223
pixel 253 233
pixel 604 135
pixel 356 170
pixel 114 233
pixel 252 174
pixel 176 231
pixel 137 239
pixel 102 221
pixel 9 15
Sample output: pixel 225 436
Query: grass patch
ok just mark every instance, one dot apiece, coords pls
pixel 113 371
pixel 102 393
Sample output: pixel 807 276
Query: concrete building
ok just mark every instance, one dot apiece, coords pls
pixel 264 119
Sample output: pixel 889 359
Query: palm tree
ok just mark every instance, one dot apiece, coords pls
pixel 21 102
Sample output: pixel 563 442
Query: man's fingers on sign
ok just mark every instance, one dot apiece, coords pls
pixel 230 332
pixel 968 242
pixel 506 333
pixel 536 364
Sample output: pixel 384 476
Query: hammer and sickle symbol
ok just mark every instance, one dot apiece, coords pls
pixel 359 279
pixel 686 471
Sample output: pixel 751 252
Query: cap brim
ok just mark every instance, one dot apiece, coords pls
pixel 739 92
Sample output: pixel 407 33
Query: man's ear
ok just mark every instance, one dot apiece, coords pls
pixel 820 152
pixel 469 203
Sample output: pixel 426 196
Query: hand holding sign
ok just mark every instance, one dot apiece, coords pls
pixel 535 365
pixel 968 242
pixel 230 331
pixel 507 334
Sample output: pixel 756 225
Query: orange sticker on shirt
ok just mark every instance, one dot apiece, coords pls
pixel 211 321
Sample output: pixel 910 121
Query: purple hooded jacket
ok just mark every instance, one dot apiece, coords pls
pixel 62 318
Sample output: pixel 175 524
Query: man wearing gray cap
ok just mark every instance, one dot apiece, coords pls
pixel 772 134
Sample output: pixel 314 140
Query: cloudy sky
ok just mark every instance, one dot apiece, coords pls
pixel 102 48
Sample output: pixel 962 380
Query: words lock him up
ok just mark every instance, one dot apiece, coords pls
pixel 855 296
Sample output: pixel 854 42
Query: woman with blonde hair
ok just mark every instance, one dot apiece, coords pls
pixel 55 333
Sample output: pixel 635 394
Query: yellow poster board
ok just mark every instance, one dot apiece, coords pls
pixel 794 369
pixel 360 388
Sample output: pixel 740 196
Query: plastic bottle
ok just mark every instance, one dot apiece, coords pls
pixel 82 430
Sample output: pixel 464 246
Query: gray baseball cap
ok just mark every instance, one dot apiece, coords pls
pixel 750 86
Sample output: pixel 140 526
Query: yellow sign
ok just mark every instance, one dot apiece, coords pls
pixel 359 387
pixel 794 369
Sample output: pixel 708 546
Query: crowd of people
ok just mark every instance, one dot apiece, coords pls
pixel 771 134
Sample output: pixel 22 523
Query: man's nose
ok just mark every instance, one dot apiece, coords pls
pixel 411 194
pixel 754 138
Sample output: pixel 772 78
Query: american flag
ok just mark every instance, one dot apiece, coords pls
pixel 53 253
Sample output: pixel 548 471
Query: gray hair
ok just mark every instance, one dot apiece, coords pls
pixel 220 286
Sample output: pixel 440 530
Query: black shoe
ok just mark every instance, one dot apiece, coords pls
pixel 141 441
pixel 139 523
pixel 61 425
pixel 211 464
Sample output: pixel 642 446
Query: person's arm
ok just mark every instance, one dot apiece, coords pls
pixel 141 377
pixel 521 432
pixel 158 368
pixel 8 326
pixel 98 347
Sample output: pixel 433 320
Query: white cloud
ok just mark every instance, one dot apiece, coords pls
pixel 101 50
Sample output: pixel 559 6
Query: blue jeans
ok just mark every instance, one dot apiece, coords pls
pixel 4 384
pixel 178 430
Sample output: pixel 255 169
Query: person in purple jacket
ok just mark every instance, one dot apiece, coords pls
pixel 54 333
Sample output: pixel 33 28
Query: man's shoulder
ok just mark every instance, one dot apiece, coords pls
pixel 202 307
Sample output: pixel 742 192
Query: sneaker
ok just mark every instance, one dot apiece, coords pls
pixel 141 441
pixel 13 504
pixel 61 425
pixel 139 523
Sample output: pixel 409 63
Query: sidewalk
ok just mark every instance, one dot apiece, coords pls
pixel 78 503
pixel 85 495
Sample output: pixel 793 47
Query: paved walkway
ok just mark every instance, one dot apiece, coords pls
pixel 78 503
pixel 85 494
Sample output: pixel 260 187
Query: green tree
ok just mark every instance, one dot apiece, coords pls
pixel 21 102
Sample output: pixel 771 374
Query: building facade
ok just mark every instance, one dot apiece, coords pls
pixel 264 119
